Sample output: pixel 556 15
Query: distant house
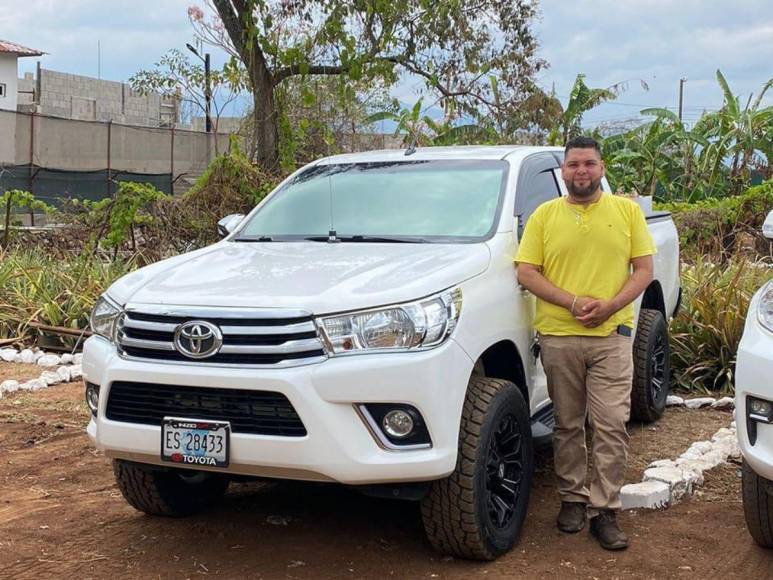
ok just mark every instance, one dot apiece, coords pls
pixel 10 53
pixel 78 97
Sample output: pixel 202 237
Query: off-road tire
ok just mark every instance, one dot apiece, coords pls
pixel 454 512
pixel 758 506
pixel 167 492
pixel 647 405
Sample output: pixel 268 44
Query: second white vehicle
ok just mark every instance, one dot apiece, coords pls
pixel 363 325
pixel 754 409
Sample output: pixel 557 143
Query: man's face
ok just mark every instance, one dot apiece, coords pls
pixel 582 172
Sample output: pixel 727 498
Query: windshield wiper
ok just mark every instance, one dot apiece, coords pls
pixel 367 239
pixel 258 239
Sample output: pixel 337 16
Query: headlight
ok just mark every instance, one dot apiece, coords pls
pixel 104 317
pixel 765 306
pixel 415 325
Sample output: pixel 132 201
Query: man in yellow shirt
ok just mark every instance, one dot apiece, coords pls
pixel 587 257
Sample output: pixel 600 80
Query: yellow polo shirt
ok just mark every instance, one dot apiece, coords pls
pixel 586 251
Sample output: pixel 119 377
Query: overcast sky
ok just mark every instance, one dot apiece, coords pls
pixel 658 41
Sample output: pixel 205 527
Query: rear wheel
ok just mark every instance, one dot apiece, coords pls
pixel 652 371
pixel 758 506
pixel 477 512
pixel 168 492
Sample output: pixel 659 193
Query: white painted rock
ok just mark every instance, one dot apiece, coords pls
pixel 676 479
pixel 9 386
pixel 724 404
pixel 33 385
pixel 662 463
pixel 77 358
pixel 66 359
pixel 27 356
pixel 722 433
pixel 699 402
pixel 48 360
pixel 50 377
pixel 691 453
pixel 37 354
pixel 64 374
pixel 17 358
pixel 8 354
pixel 674 401
pixel 647 494
pixel 732 425
pixel 697 465
pixel 701 446
pixel 76 372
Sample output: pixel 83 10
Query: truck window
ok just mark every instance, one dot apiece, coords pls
pixel 536 185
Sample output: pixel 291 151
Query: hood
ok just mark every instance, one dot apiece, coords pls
pixel 316 276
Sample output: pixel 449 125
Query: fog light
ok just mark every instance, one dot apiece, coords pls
pixel 760 407
pixel 92 397
pixel 398 423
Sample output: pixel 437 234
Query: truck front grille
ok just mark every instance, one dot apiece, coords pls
pixel 254 412
pixel 251 337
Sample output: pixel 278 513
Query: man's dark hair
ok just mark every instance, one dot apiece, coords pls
pixel 582 143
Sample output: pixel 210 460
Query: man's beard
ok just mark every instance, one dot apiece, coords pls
pixel 583 192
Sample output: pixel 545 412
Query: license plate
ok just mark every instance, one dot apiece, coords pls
pixel 195 442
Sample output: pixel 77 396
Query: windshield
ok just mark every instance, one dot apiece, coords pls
pixel 419 201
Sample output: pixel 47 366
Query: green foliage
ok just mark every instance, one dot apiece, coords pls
pixel 113 220
pixel 454 47
pixel 231 184
pixel 581 100
pixel 37 288
pixel 715 158
pixel 18 199
pixel 706 332
pixel 723 227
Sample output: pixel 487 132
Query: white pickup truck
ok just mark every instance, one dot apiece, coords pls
pixel 363 325
pixel 754 409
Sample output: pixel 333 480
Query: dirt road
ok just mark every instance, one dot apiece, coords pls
pixel 62 516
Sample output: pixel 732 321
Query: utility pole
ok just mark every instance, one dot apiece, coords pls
pixel 207 88
pixel 681 96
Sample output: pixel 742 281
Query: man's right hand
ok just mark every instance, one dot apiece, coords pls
pixel 583 305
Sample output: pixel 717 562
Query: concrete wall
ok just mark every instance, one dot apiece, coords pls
pixel 87 99
pixel 8 77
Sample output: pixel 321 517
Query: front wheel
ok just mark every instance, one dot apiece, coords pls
pixel 758 506
pixel 167 492
pixel 477 512
pixel 652 372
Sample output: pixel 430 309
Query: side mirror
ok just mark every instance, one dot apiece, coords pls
pixel 228 224
pixel 767 227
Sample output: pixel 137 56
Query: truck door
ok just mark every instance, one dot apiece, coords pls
pixel 536 185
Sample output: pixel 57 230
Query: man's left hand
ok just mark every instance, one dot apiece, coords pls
pixel 595 313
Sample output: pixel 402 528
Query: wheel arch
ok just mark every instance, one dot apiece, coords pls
pixel 502 360
pixel 653 298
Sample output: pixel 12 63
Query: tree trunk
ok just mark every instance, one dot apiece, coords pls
pixel 266 119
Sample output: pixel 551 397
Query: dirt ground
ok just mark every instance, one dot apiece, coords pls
pixel 62 516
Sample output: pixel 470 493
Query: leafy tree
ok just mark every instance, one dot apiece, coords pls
pixel 454 47
pixel 581 100
pixel 16 198
pixel 174 75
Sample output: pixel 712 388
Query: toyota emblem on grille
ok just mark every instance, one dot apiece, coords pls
pixel 198 339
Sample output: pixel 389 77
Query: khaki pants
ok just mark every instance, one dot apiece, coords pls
pixel 589 375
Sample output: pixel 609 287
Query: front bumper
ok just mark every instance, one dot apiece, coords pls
pixel 754 376
pixel 338 445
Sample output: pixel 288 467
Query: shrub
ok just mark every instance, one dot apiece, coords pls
pixel 706 332
pixel 724 227
pixel 37 288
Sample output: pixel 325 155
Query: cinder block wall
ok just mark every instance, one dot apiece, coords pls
pixel 88 99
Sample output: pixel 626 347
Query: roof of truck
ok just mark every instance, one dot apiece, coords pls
pixel 437 153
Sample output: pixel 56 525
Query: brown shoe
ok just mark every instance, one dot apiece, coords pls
pixel 571 518
pixel 604 527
